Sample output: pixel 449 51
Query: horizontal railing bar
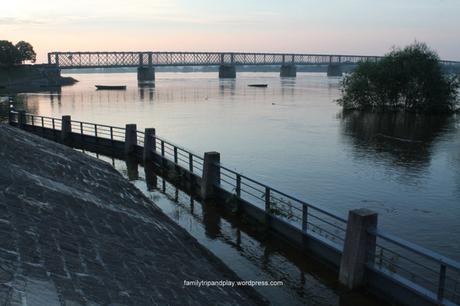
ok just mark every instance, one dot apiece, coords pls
pixel 406 259
pixel 416 248
pixel 323 210
pixel 431 282
pixel 326 231
pixel 327 222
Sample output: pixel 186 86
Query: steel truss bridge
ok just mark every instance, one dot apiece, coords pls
pixel 70 60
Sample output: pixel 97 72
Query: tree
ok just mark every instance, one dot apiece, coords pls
pixel 9 54
pixel 409 79
pixel 26 51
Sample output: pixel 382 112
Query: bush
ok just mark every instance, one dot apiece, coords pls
pixel 409 79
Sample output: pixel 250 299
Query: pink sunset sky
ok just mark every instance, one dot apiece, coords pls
pixel 335 26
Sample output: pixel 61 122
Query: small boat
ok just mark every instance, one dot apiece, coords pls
pixel 110 87
pixel 258 85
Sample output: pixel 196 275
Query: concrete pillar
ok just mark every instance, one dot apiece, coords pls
pixel 227 72
pixel 288 71
pixel 211 174
pixel 145 74
pixel 132 168
pixel 334 70
pixel 11 117
pixel 358 248
pixel 130 138
pixel 150 176
pixel 149 144
pixel 21 119
pixel 66 129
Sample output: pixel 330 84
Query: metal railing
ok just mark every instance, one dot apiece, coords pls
pixel 41 121
pixel 98 130
pixel 178 155
pixel 304 216
pixel 425 271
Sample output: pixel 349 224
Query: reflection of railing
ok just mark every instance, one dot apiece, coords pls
pixel 432 276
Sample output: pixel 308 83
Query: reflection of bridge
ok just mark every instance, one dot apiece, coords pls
pixel 146 61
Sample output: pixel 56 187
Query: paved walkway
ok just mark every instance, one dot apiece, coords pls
pixel 74 232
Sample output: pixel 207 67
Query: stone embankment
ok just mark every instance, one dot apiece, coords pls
pixel 74 232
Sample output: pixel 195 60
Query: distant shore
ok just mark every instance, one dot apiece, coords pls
pixel 22 78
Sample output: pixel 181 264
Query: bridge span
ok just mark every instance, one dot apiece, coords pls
pixel 227 61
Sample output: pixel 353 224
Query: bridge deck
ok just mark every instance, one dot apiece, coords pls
pixel 67 60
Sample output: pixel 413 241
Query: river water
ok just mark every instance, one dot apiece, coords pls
pixel 293 136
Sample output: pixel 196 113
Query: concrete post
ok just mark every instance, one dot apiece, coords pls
pixel 211 174
pixel 66 129
pixel 358 248
pixel 149 142
pixel 132 168
pixel 227 72
pixel 21 119
pixel 146 74
pixel 288 70
pixel 130 138
pixel 10 117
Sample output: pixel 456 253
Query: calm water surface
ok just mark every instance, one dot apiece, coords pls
pixel 293 136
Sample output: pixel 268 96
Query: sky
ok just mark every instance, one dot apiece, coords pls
pixel 367 27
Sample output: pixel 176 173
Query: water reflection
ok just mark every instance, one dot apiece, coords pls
pixel 402 139
pixel 146 88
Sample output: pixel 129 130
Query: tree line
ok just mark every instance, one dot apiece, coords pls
pixel 16 54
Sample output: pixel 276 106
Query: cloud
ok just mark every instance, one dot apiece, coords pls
pixel 18 21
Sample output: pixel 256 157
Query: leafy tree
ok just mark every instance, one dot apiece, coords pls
pixel 9 55
pixel 409 79
pixel 26 51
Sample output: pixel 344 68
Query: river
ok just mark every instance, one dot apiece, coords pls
pixel 293 135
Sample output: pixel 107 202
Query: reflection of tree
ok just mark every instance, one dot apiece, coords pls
pixel 400 138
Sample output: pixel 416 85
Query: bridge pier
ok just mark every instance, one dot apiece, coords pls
pixel 334 70
pixel 145 74
pixel 227 72
pixel 288 71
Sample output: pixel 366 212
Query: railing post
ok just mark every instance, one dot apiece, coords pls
pixel 66 129
pixel 190 162
pixel 304 218
pixel 267 200
pixel 441 282
pixel 211 174
pixel 149 140
pixel 130 138
pixel 358 248
pixel 238 186
pixel 22 119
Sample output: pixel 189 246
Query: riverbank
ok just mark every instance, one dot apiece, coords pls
pixel 75 232
pixel 32 78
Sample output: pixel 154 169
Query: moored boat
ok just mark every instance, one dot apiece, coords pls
pixel 258 85
pixel 110 87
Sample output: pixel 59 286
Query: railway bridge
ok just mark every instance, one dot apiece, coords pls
pixel 146 61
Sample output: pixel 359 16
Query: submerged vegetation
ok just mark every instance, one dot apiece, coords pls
pixel 409 79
